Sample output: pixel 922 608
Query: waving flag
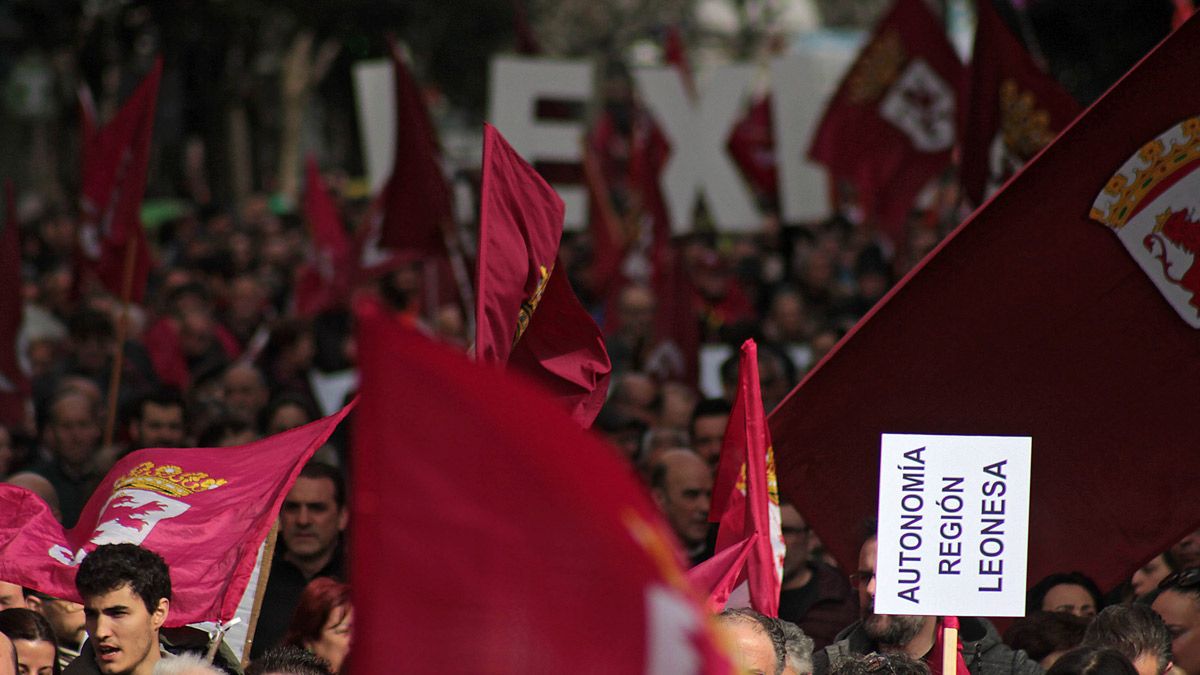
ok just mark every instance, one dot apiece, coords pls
pixel 1012 110
pixel 498 511
pixel 206 511
pixel 747 568
pixel 115 161
pixel 889 129
pixel 1065 309
pixel 527 315
pixel 325 280
pixel 417 206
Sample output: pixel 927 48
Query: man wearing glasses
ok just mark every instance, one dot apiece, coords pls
pixel 982 651
pixel 814 596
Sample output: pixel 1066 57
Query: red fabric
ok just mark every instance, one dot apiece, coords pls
pixel 115 160
pixel 1183 11
pixel 858 144
pixel 417 205
pixel 324 281
pixel 718 576
pixel 166 352
pixel 14 386
pixel 741 498
pixel 209 537
pixel 497 511
pixel 520 223
pixel 675 54
pixel 527 42
pixel 1030 319
pixel 608 236
pixel 934 658
pixel 1001 62
pixel 752 147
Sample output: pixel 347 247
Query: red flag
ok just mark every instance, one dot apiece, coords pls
pixel 1032 318
pixel 14 386
pixel 889 129
pixel 1012 109
pixel 206 511
pixel 675 54
pixel 116 157
pixel 524 315
pixel 416 200
pixel 746 499
pixel 525 517
pixel 752 146
pixel 324 281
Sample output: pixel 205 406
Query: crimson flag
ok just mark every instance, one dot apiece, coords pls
pixel 417 206
pixel 526 314
pixel 1066 310
pixel 116 157
pixel 889 129
pixel 14 386
pixel 496 511
pixel 746 503
pixel 206 511
pixel 324 281
pixel 752 147
pixel 1012 109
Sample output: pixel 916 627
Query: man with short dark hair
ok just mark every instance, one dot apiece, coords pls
pixel 1135 631
pixel 707 429
pixel 156 420
pixel 126 593
pixel 71 435
pixel 758 641
pixel 288 660
pixel 311 523
pixel 1178 603
pixel 813 595
pixel 982 651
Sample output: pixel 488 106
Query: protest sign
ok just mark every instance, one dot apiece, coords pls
pixel 953 525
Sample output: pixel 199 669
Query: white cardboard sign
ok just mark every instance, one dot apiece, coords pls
pixel 953 525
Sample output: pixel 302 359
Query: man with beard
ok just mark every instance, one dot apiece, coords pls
pixel 982 651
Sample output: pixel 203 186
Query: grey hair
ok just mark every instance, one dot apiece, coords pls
pixel 1133 630
pixel 185 664
pixel 764 623
pixel 797 646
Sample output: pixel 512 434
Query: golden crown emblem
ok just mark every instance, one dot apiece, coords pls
pixel 1155 163
pixel 1026 128
pixel 167 479
pixel 877 69
pixel 530 305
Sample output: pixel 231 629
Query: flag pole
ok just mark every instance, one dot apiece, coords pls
pixel 260 589
pixel 114 380
pixel 949 648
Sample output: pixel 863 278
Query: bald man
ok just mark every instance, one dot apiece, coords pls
pixel 39 486
pixel 682 486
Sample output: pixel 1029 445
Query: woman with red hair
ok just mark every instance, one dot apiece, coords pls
pixel 324 621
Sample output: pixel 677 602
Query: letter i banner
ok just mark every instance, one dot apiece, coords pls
pixel 747 568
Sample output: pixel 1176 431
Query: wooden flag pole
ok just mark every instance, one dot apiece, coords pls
pixel 264 574
pixel 114 380
pixel 949 650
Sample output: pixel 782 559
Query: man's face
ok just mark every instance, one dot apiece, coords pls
pixel 795 539
pixel 73 433
pixel 124 634
pixel 708 432
pixel 753 648
pixel 245 393
pixel 885 629
pixel 1181 613
pixel 685 499
pixel 11 595
pixel 1069 598
pixel 311 520
pixel 161 426
pixel 65 618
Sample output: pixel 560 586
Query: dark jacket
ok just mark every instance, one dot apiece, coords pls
pixel 983 652
pixel 823 607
